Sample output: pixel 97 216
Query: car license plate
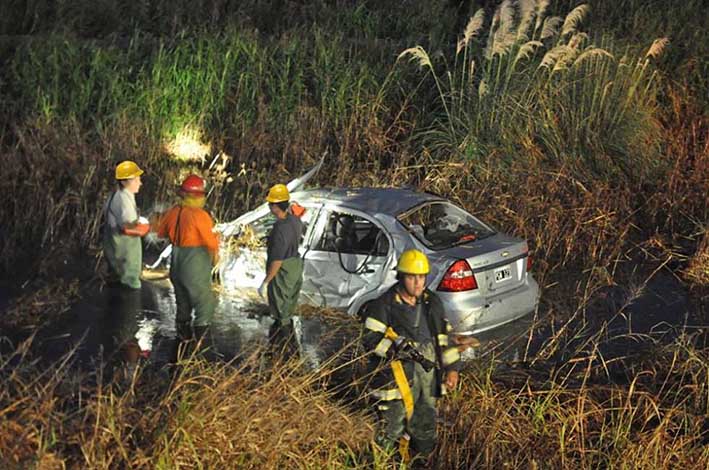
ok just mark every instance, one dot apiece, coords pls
pixel 502 274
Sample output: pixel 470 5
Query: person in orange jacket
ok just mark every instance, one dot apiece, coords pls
pixel 195 249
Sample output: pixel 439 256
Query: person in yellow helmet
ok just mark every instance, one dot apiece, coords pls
pixel 123 227
pixel 284 266
pixel 406 334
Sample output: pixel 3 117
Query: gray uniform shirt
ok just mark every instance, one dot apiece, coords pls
pixel 284 239
pixel 121 209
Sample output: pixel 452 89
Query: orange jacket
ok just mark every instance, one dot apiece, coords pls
pixel 195 228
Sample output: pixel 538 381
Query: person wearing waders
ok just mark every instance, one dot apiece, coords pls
pixel 195 249
pixel 284 268
pixel 123 251
pixel 123 229
pixel 406 335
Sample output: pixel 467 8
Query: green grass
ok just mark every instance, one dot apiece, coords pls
pixel 601 163
pixel 521 87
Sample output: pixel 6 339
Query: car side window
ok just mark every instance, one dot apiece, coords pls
pixel 351 234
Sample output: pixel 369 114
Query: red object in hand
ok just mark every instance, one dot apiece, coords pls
pixel 140 230
pixel 297 210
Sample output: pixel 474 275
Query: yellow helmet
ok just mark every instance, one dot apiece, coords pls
pixel 413 262
pixel 127 170
pixel 278 193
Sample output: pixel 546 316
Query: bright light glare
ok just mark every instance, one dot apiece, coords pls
pixel 187 146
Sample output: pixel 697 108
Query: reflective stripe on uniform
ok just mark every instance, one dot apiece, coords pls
pixel 450 355
pixel 449 328
pixel 443 340
pixel 375 325
pixel 387 395
pixel 382 347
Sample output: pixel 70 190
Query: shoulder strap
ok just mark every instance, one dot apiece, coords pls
pixel 177 227
pixel 108 210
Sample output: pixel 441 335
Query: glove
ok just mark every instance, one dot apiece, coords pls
pixel 262 290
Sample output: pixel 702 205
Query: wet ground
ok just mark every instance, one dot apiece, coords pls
pixel 622 321
pixel 106 318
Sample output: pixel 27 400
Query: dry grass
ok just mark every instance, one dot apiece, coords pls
pixel 568 418
pixel 569 412
pixel 698 267
pixel 37 306
pixel 561 409
pixel 209 416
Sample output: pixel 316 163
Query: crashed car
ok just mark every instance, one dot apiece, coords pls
pixel 354 237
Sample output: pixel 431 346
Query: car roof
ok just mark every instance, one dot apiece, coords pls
pixel 390 201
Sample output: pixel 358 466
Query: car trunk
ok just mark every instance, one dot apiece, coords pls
pixel 498 262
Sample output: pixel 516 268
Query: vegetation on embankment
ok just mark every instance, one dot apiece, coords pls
pixel 597 153
pixel 601 122
pixel 206 414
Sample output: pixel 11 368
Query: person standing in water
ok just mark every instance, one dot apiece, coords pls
pixel 284 267
pixel 122 231
pixel 195 251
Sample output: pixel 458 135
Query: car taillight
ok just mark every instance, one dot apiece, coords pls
pixel 458 278
pixel 529 262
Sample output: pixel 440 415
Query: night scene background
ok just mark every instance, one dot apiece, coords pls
pixel 581 127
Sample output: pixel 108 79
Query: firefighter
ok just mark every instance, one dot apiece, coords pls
pixel 122 246
pixel 284 266
pixel 407 334
pixel 195 251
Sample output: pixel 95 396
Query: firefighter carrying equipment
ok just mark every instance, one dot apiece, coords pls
pixel 193 184
pixel 431 339
pixel 413 262
pixel 278 193
pixel 127 170
pixel 405 349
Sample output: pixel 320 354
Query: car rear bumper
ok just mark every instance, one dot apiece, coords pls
pixel 471 313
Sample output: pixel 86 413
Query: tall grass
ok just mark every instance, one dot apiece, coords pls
pixel 524 81
pixel 567 414
pixel 204 415
pixel 74 109
pixel 563 130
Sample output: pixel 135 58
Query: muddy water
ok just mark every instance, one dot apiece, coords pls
pixel 618 322
pixel 622 320
pixel 101 321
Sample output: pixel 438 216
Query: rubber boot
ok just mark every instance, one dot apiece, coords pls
pixel 184 331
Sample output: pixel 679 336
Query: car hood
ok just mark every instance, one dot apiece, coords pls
pixel 228 229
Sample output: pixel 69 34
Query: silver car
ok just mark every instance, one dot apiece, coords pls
pixel 353 240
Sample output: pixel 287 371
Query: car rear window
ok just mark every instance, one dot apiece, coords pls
pixel 440 225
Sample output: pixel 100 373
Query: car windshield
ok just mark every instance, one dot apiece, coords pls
pixel 440 225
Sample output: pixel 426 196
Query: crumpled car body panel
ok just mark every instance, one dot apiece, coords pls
pixel 355 235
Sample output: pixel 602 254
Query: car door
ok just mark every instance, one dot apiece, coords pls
pixel 246 266
pixel 344 259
